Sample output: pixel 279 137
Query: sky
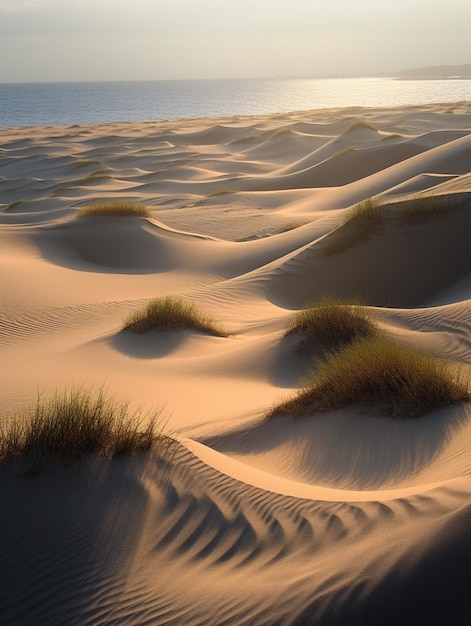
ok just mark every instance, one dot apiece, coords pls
pixel 80 40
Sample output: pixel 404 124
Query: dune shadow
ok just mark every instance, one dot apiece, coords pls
pixel 123 246
pixel 397 267
pixel 150 345
pixel 289 363
pixel 77 525
pixel 345 449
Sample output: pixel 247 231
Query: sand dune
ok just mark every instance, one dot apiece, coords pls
pixel 342 517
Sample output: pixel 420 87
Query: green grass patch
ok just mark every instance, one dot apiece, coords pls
pixel 114 208
pixel 329 324
pixel 77 422
pixel 169 314
pixel 421 209
pixel 361 222
pixel 378 373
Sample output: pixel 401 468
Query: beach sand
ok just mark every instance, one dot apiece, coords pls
pixel 345 517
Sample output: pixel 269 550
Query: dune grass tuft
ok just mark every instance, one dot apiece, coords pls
pixel 361 221
pixel 114 208
pixel 169 314
pixel 329 324
pixel 77 422
pixel 419 209
pixel 376 372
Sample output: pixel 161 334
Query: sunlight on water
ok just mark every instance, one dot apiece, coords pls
pixel 36 104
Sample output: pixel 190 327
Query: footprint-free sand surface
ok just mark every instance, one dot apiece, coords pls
pixel 338 518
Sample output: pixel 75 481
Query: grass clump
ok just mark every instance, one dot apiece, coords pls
pixel 77 422
pixel 329 324
pixel 169 314
pixel 421 209
pixel 377 372
pixel 361 221
pixel 114 208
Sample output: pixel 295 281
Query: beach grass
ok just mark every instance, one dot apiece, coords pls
pixel 329 324
pixel 361 222
pixel 377 372
pixel 114 208
pixel 419 209
pixel 78 421
pixel 170 313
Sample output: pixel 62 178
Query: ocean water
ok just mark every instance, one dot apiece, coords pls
pixel 44 104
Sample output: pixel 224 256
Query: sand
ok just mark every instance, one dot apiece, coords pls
pixel 348 517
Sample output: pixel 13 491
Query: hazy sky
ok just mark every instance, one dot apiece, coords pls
pixel 58 40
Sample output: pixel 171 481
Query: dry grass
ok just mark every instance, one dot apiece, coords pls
pixel 377 372
pixel 361 222
pixel 170 314
pixel 114 208
pixel 329 324
pixel 79 421
pixel 421 209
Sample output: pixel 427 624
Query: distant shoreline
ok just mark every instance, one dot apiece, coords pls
pixel 437 72
pixel 432 78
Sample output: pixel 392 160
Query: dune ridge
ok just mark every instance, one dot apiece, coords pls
pixel 344 517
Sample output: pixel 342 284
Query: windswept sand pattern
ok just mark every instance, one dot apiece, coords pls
pixel 341 517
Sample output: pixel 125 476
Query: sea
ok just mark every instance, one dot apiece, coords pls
pixel 45 104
